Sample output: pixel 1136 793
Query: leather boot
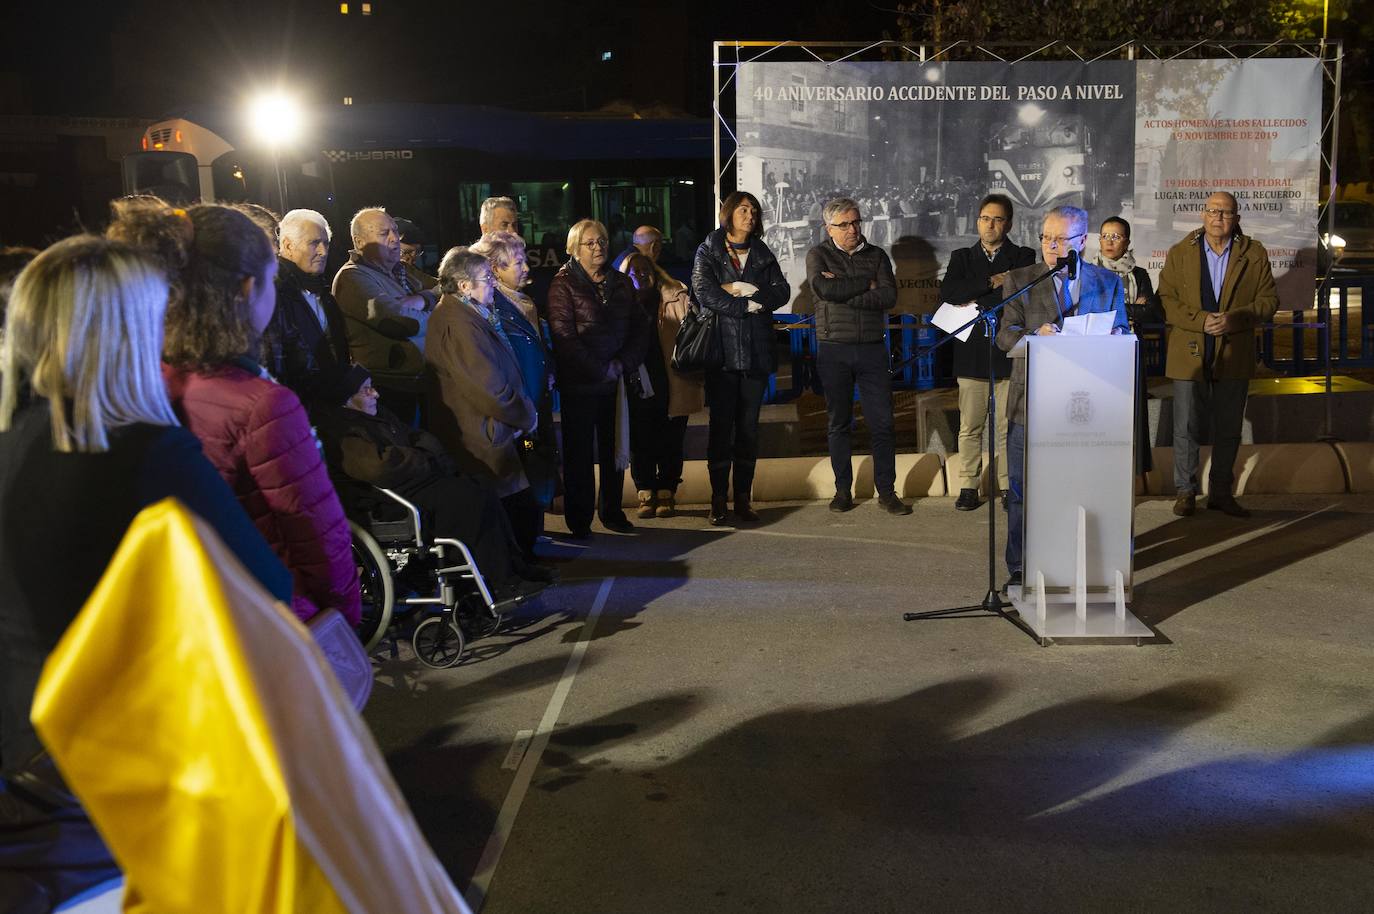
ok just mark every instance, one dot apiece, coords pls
pixel 667 503
pixel 743 511
pixel 648 503
pixel 719 512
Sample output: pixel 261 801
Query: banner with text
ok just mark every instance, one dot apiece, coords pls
pixel 918 145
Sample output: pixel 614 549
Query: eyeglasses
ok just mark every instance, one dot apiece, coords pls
pixel 1059 241
pixel 1112 236
pixel 993 220
pixel 851 225
pixel 1220 213
pixel 595 243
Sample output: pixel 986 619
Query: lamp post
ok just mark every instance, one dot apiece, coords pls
pixel 276 121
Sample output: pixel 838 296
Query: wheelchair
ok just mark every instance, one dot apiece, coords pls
pixel 401 574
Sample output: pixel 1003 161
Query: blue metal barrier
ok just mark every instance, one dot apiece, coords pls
pixel 1337 333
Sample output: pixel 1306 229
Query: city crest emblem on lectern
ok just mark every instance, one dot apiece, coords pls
pixel 1080 410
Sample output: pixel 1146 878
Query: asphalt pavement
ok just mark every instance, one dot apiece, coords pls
pixel 702 719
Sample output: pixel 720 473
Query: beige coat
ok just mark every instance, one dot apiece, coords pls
pixel 1247 291
pixel 477 402
pixel 686 392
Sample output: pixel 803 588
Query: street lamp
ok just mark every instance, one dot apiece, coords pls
pixel 276 121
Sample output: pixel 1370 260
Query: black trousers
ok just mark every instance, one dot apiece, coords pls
pixel 467 508
pixel 588 440
pixel 841 366
pixel 656 443
pixel 526 517
pixel 735 398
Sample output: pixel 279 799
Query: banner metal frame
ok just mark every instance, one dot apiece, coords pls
pixel 728 55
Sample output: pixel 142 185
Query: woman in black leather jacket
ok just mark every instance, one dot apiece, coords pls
pixel 736 276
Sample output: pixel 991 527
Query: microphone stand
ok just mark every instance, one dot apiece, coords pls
pixel 992 604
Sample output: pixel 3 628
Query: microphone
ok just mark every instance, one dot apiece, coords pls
pixel 1070 264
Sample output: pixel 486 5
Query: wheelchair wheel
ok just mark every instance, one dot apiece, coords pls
pixel 374 580
pixel 438 642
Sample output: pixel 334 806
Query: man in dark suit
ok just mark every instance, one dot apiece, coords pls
pixel 307 340
pixel 1041 311
pixel 978 274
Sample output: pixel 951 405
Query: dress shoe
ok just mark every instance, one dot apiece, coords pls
pixel 619 524
pixel 842 502
pixel 1013 580
pixel 648 504
pixel 1185 504
pixel 1227 505
pixel 967 501
pixel 720 514
pixel 744 512
pixel 890 503
pixel 532 571
pixel 667 503
pixel 1006 505
pixel 579 533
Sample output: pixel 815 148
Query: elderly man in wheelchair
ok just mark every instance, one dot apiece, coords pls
pixel 425 537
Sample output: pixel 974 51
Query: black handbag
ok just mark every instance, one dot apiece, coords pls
pixel 697 344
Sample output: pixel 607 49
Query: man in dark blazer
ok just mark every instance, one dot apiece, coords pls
pixel 307 342
pixel 978 274
pixel 1041 311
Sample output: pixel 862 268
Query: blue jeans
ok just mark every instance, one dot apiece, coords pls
pixel 1016 510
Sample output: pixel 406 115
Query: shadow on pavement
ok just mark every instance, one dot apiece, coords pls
pixel 1286 542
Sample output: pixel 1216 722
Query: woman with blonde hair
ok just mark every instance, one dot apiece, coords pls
pixel 658 418
pixel 254 430
pixel 598 336
pixel 87 440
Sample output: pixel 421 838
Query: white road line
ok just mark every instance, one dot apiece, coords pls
pixel 505 820
pixel 873 541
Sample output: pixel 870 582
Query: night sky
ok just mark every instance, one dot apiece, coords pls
pixel 146 58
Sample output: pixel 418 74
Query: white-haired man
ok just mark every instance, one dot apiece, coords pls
pixel 1041 311
pixel 385 312
pixel 307 342
pixel 499 214
pixel 647 240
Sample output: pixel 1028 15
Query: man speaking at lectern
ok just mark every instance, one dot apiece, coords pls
pixel 1078 288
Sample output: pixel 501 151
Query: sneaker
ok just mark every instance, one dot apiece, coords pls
pixel 842 502
pixel 1185 504
pixel 890 503
pixel 1013 580
pixel 648 504
pixel 667 503
pixel 968 500
pixel 1227 505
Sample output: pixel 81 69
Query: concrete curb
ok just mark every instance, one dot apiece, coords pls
pixel 1357 458
pixel 1261 469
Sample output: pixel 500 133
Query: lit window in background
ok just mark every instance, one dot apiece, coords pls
pixel 343 9
pixel 348 99
pixel 605 56
pixel 367 9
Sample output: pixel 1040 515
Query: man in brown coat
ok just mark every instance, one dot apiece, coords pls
pixel 1216 287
